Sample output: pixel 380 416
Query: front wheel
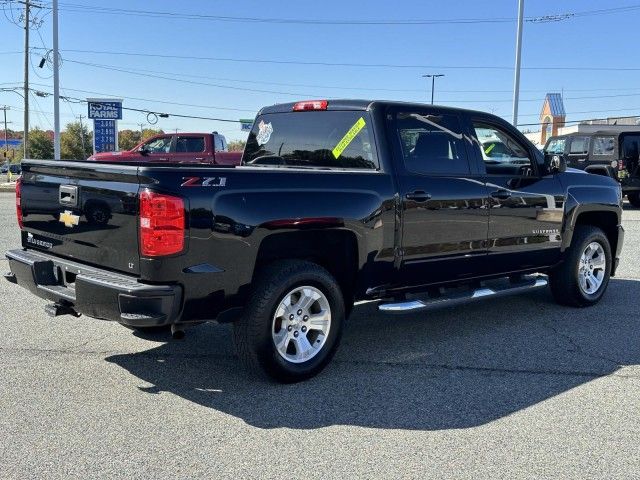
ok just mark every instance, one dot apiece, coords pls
pixel 582 278
pixel 293 322
pixel 634 199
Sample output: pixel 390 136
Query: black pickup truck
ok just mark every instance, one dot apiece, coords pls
pixel 335 202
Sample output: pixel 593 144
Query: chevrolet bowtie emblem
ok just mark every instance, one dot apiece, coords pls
pixel 69 219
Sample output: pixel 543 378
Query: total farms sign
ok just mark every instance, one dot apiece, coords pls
pixel 105 113
pixel 104 109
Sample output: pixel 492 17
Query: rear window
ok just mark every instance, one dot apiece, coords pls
pixel 339 139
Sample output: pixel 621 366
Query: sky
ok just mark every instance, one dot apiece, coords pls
pixel 580 56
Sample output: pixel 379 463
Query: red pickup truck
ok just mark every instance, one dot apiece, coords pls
pixel 177 148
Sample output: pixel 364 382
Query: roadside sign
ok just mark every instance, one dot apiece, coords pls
pixel 104 109
pixel 105 113
pixel 246 124
pixel 105 136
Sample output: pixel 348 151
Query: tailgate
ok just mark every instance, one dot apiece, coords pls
pixel 87 212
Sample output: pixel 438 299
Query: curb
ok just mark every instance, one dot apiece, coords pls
pixel 7 187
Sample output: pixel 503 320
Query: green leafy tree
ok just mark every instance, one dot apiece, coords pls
pixel 150 132
pixel 40 144
pixel 127 139
pixel 237 145
pixel 71 142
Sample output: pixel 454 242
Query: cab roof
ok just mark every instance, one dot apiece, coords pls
pixel 359 104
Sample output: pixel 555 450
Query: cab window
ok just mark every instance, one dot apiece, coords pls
pixel 579 146
pixel 501 153
pixel 190 145
pixel 432 144
pixel 158 145
pixel 603 145
pixel 556 146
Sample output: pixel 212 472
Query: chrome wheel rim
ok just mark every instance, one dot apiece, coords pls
pixel 592 268
pixel 301 324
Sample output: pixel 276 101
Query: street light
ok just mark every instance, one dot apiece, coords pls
pixel 433 77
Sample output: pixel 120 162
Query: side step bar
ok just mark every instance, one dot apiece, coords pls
pixel 411 306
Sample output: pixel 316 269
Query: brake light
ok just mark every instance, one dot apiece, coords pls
pixel 162 224
pixel 310 105
pixel 19 201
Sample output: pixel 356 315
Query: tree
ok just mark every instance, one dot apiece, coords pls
pixel 150 132
pixel 237 145
pixel 71 141
pixel 40 144
pixel 127 139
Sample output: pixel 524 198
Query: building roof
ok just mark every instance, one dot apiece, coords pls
pixel 556 105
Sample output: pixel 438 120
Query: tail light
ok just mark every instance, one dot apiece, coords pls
pixel 19 201
pixel 162 224
pixel 621 165
pixel 310 105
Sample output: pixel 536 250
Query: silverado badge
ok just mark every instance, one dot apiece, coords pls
pixel 69 219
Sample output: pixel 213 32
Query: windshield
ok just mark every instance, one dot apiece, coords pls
pixel 555 146
pixel 335 139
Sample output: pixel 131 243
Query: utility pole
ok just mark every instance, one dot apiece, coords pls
pixel 433 82
pixel 516 80
pixel 6 144
pixel 84 152
pixel 27 20
pixel 56 86
pixel 141 125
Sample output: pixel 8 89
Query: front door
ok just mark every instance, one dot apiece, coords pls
pixel 158 149
pixel 525 219
pixel 444 206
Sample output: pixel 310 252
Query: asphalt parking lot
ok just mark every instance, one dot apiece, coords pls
pixel 515 387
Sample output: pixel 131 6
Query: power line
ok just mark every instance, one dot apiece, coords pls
pixel 82 8
pixel 348 64
pixel 298 94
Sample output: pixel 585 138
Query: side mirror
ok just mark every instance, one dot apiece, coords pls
pixel 555 163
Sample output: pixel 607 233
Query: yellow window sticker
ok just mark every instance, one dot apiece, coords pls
pixel 348 138
pixel 489 148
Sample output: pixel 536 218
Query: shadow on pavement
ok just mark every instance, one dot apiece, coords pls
pixel 456 368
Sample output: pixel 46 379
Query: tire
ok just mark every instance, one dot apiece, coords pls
pixel 269 314
pixel 634 199
pixel 567 285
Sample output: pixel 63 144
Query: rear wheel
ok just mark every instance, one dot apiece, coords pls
pixel 634 198
pixel 583 276
pixel 293 322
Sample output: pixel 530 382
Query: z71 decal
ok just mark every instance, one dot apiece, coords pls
pixel 204 181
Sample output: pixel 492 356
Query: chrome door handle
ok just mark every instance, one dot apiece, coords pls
pixel 418 196
pixel 501 194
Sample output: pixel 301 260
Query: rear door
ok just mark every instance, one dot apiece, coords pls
pixel 578 151
pixel 192 148
pixel 82 211
pixel 445 219
pixel 525 206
